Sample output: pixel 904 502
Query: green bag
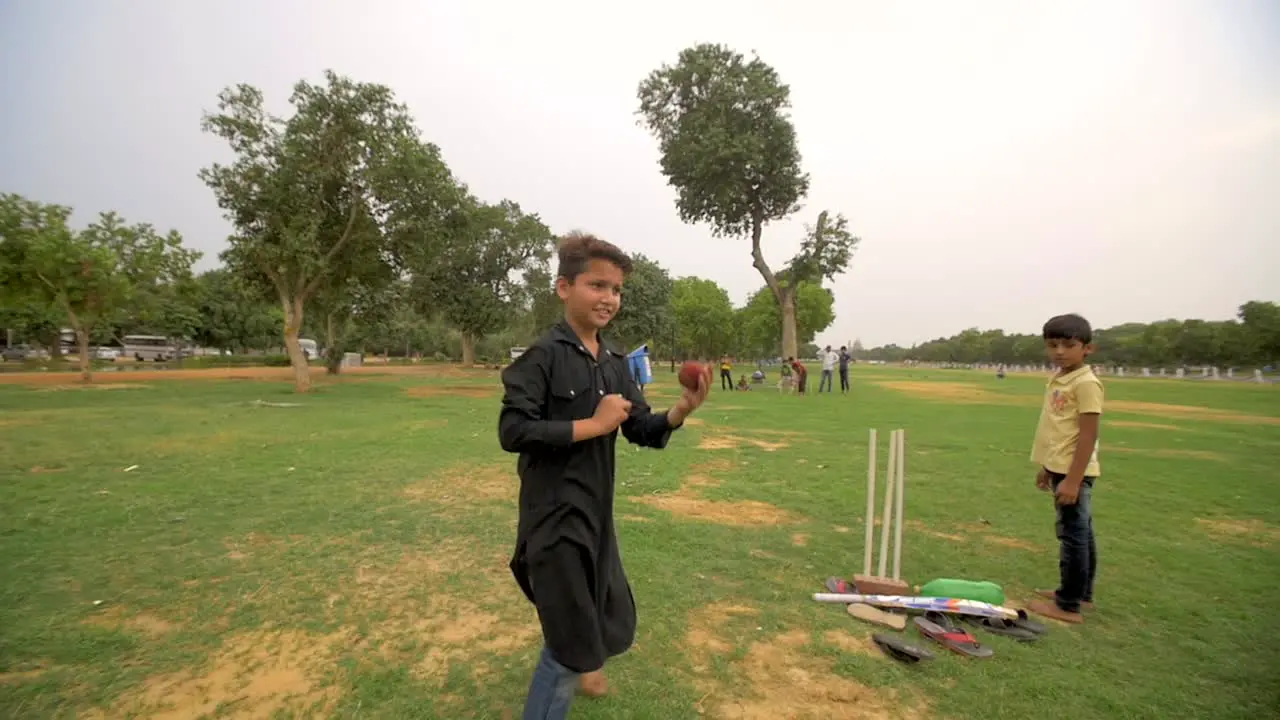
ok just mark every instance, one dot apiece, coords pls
pixel 980 590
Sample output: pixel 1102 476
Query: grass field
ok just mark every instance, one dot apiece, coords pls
pixel 181 548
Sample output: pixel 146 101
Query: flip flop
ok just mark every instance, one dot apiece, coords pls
pixel 940 629
pixel 901 650
pixel 872 614
pixel 1001 626
pixel 1026 623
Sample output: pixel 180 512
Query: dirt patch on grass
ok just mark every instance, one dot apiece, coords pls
pixel 800 539
pixel 1254 532
pixel 117 618
pixel 985 533
pixel 851 643
pixel 777 677
pixel 699 480
pixel 635 518
pixel 712 466
pixel 464 485
pixel 454 631
pixel 1191 412
pixel 955 392
pixel 17 677
pixel 916 526
pixel 694 422
pixel 731 442
pixel 42 470
pixel 741 513
pixel 1138 424
pixel 1169 453
pixel 466 391
pixel 434 424
pixel 253 675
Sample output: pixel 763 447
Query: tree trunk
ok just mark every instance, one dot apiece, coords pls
pixel 297 359
pixel 468 349
pixel 779 292
pixel 333 349
pixel 790 347
pixel 82 340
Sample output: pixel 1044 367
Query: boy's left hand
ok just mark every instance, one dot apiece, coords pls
pixel 1068 492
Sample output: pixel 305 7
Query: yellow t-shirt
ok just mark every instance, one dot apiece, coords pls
pixel 726 365
pixel 1066 397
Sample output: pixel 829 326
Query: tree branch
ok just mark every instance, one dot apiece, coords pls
pixel 328 257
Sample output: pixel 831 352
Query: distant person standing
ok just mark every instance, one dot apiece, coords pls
pixel 802 375
pixel 726 373
pixel 844 369
pixel 829 359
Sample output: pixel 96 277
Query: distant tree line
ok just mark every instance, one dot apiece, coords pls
pixel 1252 339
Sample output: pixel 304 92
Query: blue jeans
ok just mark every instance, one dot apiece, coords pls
pixel 551 690
pixel 1077 551
pixel 825 382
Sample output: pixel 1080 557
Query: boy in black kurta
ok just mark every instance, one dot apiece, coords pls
pixel 566 397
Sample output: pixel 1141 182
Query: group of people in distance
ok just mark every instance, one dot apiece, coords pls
pixel 795 376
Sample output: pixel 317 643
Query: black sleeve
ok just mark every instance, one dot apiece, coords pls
pixel 643 426
pixel 521 426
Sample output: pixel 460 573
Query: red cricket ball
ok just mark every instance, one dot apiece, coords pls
pixel 689 373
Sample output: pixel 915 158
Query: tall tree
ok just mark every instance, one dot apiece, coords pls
pixel 729 149
pixel 309 195
pixel 482 276
pixel 645 315
pixel 90 275
pixel 703 315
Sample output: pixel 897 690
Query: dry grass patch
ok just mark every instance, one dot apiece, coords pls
pixel 800 539
pixel 466 484
pixel 455 631
pixel 93 386
pixel 1255 532
pixel 916 526
pixel 777 677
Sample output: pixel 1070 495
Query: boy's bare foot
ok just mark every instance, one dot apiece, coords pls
pixel 1053 595
pixel 593 684
pixel 1050 609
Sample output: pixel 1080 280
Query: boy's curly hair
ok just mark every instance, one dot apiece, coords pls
pixel 578 249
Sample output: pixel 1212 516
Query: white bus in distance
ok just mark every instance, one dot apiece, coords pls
pixel 148 347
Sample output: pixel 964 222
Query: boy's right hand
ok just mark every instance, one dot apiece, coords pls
pixel 1043 481
pixel 612 411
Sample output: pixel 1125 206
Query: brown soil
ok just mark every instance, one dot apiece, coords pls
pixel 467 391
pixel 984 532
pixel 465 485
pixel 778 677
pixel 42 470
pixel 800 539
pixel 17 677
pixel 458 631
pixel 92 386
pixel 635 518
pixel 1254 532
pixel 253 675
pixel 694 422
pixel 1169 453
pixel 840 528
pixel 1137 424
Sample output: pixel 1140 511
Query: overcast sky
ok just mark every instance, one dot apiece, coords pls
pixel 1001 161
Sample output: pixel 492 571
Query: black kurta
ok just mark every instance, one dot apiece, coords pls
pixel 566 557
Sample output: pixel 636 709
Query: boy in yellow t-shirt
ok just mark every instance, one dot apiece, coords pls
pixel 1066 449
